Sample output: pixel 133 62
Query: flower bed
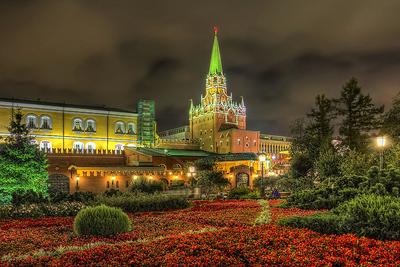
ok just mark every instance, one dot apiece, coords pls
pixel 243 246
pixel 25 236
pixel 209 233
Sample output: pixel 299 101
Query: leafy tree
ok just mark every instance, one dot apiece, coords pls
pixel 391 122
pixel 23 166
pixel 208 177
pixel 359 115
pixel 328 163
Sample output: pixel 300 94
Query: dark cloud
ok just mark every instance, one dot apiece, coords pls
pixel 277 54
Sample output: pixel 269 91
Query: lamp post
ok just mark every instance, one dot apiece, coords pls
pixel 262 158
pixel 192 173
pixel 381 143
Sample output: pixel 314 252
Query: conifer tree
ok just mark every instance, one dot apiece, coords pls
pixel 23 166
pixel 359 115
pixel 391 123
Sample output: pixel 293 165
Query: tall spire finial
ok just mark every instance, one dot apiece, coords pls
pixel 215 64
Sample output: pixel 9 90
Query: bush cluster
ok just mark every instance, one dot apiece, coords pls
pixel 144 185
pixel 242 192
pixel 101 220
pixel 32 197
pixel 339 190
pixel 145 202
pixel 366 215
pixel 41 209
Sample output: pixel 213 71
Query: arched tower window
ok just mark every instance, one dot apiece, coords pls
pixel 91 147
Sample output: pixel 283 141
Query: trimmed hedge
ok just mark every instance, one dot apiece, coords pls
pixel 145 202
pixel 101 220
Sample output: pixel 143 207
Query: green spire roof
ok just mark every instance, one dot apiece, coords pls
pixel 215 64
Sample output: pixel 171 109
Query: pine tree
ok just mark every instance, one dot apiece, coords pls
pixel 359 115
pixel 391 123
pixel 321 120
pixel 23 166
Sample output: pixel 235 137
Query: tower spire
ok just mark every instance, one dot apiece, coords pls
pixel 215 63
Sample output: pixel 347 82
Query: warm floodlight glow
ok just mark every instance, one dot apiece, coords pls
pixel 113 178
pixel 262 158
pixel 192 169
pixel 380 141
pixel 77 178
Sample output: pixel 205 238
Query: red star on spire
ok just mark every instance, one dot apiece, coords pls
pixel 215 29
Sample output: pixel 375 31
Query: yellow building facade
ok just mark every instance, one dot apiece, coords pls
pixel 64 128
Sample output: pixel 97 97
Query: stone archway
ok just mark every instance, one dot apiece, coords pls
pixel 58 183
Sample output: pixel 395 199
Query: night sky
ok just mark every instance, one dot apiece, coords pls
pixel 277 54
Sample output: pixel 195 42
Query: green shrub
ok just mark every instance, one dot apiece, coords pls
pixel 378 189
pixel 325 223
pixel 145 202
pixel 251 195
pixel 145 185
pixel 84 197
pixel 27 197
pixel 112 192
pixel 238 192
pixel 177 184
pixel 101 220
pixel 395 191
pixel 372 216
pixel 40 210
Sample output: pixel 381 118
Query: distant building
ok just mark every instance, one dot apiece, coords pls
pixel 59 127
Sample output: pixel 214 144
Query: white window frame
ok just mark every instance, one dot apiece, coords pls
pixel 88 121
pixel 35 121
pixel 42 119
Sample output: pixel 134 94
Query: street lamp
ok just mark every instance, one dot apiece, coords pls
pixel 262 158
pixel 381 143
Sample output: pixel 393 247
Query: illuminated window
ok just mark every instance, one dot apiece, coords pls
pixel 131 128
pixel 77 125
pixel 119 147
pixel 238 141
pixel 91 147
pixel 45 122
pixel 31 121
pixel 78 146
pixel 45 146
pixel 119 127
pixel 90 125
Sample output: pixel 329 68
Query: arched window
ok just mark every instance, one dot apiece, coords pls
pixel 78 146
pixel 45 122
pixel 119 127
pixel 131 128
pixel 77 125
pixel 119 147
pixel 91 147
pixel 45 146
pixel 90 125
pixel 31 121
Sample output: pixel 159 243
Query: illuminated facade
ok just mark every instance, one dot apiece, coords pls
pixel 63 128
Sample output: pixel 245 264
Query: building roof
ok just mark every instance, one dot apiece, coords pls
pixel 58 104
pixel 215 63
pixel 172 152
pixel 234 156
pixel 275 137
